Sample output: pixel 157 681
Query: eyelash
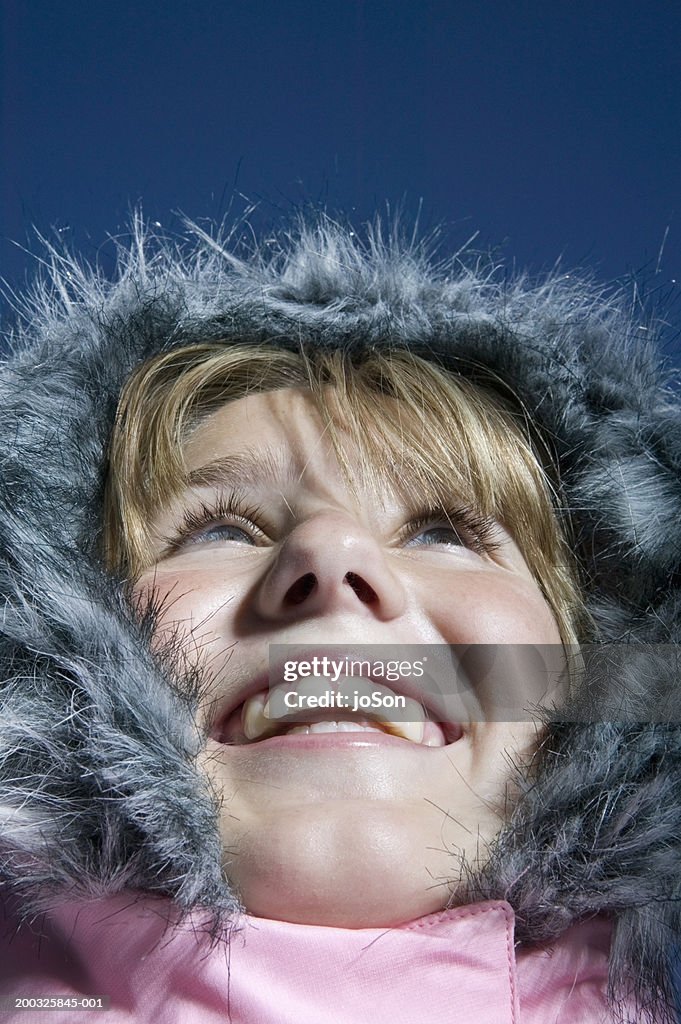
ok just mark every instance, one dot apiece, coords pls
pixel 222 507
pixel 476 531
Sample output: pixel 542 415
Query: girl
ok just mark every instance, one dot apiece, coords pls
pixel 339 449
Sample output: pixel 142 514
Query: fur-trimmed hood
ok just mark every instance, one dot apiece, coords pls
pixel 99 790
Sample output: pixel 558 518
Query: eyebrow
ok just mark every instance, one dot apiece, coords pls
pixel 248 468
pixel 260 467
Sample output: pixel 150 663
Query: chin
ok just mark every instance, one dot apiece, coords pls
pixel 368 905
pixel 349 871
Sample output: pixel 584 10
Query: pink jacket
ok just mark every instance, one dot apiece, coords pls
pixel 456 966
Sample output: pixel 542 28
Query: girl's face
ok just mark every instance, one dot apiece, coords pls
pixel 342 828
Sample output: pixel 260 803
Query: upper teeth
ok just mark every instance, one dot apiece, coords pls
pixel 265 713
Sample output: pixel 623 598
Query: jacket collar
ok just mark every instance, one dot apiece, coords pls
pixel 459 964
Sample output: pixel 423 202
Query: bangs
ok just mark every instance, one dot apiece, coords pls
pixel 429 436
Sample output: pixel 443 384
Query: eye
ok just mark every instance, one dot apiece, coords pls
pixel 441 534
pixel 221 532
pixel 202 526
pixel 459 527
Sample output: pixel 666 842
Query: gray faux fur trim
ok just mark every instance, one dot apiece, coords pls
pixel 99 789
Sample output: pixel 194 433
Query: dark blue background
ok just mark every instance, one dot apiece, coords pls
pixel 551 129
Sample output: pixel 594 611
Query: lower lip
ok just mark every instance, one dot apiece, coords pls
pixel 330 741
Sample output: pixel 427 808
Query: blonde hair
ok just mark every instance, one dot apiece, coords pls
pixel 443 437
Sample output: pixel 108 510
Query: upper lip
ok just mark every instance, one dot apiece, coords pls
pixel 418 689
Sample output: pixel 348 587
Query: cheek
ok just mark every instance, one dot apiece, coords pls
pixel 492 611
pixel 512 658
pixel 189 603
pixel 194 627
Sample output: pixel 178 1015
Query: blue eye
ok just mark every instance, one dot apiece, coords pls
pixel 436 535
pixel 455 527
pixel 221 532
pixel 202 526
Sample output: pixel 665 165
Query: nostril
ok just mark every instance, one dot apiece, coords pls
pixel 301 589
pixel 364 592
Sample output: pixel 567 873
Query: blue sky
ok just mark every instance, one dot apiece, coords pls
pixel 547 130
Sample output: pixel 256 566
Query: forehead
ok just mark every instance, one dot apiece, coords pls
pixel 271 434
pixel 279 439
pixel 288 416
pixel 283 437
pixel 380 445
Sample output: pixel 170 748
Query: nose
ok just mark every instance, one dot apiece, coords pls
pixel 330 564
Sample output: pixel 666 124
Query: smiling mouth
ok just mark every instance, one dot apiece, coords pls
pixel 262 717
